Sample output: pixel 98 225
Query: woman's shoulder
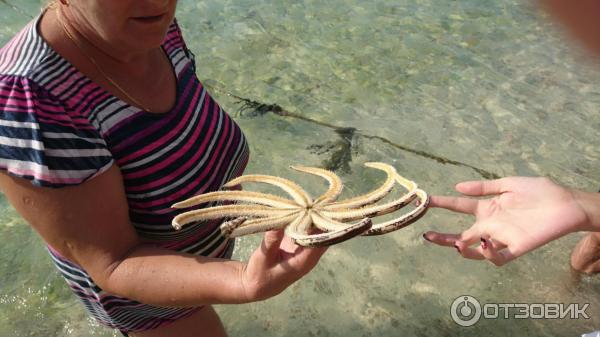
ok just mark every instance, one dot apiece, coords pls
pixel 176 48
pixel 174 37
pixel 35 78
pixel 28 56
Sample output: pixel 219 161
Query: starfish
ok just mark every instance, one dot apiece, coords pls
pixel 319 222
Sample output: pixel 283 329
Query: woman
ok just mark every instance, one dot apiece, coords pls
pixel 103 126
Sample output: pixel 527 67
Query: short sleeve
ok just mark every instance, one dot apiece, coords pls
pixel 41 141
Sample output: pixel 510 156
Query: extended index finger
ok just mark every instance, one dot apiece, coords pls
pixel 456 204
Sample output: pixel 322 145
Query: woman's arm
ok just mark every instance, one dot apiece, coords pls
pixel 89 225
pixel 521 215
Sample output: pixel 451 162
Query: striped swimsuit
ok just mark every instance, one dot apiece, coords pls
pixel 58 128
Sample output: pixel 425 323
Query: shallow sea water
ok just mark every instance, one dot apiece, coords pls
pixel 444 91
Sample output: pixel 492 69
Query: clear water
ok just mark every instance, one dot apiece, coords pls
pixel 487 84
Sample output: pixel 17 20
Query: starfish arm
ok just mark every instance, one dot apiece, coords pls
pixel 228 226
pixel 370 211
pixel 376 210
pixel 294 190
pixel 300 226
pixel 404 220
pixel 372 196
pixel 260 225
pixel 246 196
pixel 335 183
pixel 227 211
pixel 341 234
pixel 325 223
pixel 252 222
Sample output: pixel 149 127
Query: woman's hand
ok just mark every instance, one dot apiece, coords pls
pixel 521 215
pixel 275 265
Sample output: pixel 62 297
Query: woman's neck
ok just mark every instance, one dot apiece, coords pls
pixel 60 26
pixel 142 79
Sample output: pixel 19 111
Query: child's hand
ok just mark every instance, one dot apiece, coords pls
pixel 521 215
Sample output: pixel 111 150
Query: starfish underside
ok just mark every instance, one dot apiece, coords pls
pixel 319 222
